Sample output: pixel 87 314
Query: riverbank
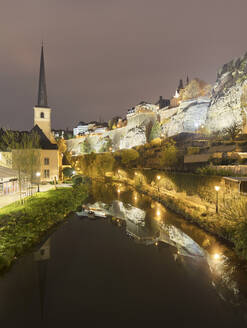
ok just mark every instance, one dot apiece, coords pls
pixel 229 224
pixel 23 226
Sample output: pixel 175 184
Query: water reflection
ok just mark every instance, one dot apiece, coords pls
pixel 150 223
pixel 41 257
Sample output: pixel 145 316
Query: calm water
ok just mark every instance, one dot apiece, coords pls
pixel 141 266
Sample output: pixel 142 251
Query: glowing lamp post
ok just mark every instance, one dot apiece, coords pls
pixel 38 177
pixel 158 178
pixel 217 188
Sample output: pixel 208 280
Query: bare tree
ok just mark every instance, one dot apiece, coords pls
pixel 233 130
pixel 25 155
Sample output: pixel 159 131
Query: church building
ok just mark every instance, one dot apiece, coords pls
pixel 49 154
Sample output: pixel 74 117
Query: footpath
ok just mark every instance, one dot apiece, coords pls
pixel 11 198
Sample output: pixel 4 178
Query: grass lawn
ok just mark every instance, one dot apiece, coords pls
pixel 24 225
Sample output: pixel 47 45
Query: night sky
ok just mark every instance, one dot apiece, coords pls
pixel 104 56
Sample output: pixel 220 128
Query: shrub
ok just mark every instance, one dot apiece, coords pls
pixel 129 156
pixel 156 142
pixel 76 180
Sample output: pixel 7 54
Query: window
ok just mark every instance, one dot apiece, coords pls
pixel 47 173
pixel 46 161
pixel 42 115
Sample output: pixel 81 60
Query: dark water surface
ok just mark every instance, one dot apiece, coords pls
pixel 141 266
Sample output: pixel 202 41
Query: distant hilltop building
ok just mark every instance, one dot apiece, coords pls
pixel 92 127
pixel 175 101
pixel 162 103
pixel 142 107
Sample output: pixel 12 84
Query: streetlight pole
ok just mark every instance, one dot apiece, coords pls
pixel 217 188
pixel 158 185
pixel 38 176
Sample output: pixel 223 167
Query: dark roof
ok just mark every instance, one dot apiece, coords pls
pixel 43 141
pixel 42 94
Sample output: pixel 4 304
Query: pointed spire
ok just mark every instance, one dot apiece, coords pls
pixel 42 94
pixel 187 80
pixel 181 85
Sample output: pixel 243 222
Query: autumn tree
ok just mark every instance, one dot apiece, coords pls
pixel 86 147
pixel 196 88
pixel 127 157
pixel 169 154
pixel 155 131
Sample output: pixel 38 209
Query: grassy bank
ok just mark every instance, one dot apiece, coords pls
pixel 23 226
pixel 230 224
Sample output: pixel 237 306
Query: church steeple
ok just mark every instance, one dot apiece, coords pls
pixel 42 94
pixel 42 112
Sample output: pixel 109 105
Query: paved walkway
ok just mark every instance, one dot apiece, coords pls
pixel 11 198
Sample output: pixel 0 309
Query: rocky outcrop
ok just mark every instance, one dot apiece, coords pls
pixel 134 137
pixel 188 117
pixel 226 107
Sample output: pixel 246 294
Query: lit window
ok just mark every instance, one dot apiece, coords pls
pixel 47 173
pixel 46 161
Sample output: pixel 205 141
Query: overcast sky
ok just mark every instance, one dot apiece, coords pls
pixel 104 56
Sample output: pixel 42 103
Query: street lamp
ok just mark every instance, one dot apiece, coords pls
pixel 217 188
pixel 73 172
pixel 216 256
pixel 38 176
pixel 158 178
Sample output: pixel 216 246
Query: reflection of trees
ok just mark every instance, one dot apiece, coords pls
pixel 103 192
pixel 193 248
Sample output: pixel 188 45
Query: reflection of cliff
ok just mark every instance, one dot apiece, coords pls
pixel 190 254
pixel 41 257
pixel 175 237
pixel 123 211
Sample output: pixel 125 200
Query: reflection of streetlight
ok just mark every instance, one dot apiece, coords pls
pixel 217 188
pixel 38 176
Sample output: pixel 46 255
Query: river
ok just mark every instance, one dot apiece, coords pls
pixel 141 265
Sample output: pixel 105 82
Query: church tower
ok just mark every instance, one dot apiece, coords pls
pixel 42 112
